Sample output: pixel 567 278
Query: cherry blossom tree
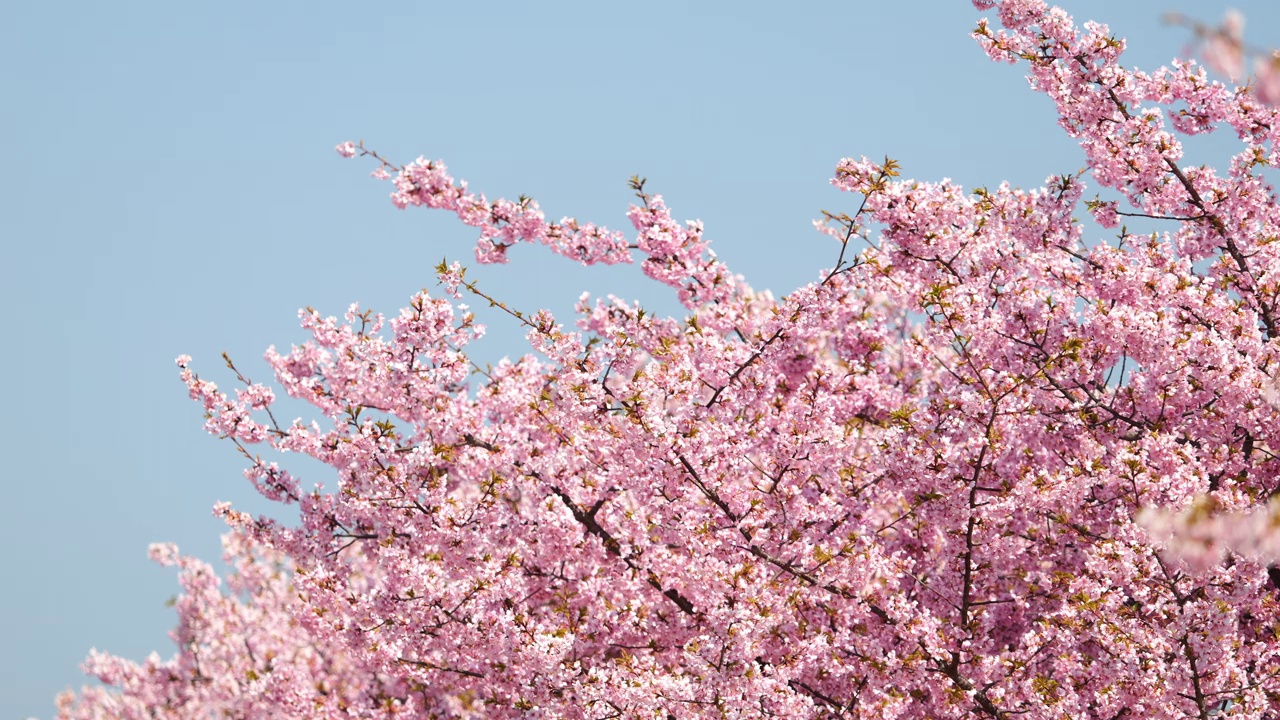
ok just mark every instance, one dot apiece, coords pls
pixel 909 489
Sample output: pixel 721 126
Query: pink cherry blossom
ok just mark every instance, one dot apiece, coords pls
pixel 997 461
pixel 1266 73
pixel 1224 49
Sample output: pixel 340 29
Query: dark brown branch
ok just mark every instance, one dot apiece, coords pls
pixel 587 518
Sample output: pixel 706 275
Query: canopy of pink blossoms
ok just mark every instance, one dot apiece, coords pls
pixel 908 489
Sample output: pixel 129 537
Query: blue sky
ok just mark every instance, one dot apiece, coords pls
pixel 170 187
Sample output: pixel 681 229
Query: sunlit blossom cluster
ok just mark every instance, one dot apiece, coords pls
pixel 1224 50
pixel 978 468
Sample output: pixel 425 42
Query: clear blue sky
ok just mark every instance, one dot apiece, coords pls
pixel 170 187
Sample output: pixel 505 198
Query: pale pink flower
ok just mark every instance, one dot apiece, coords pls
pixel 1224 49
pixel 1266 83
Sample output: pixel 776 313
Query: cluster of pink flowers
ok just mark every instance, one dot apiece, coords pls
pixel 949 478
pixel 1224 50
